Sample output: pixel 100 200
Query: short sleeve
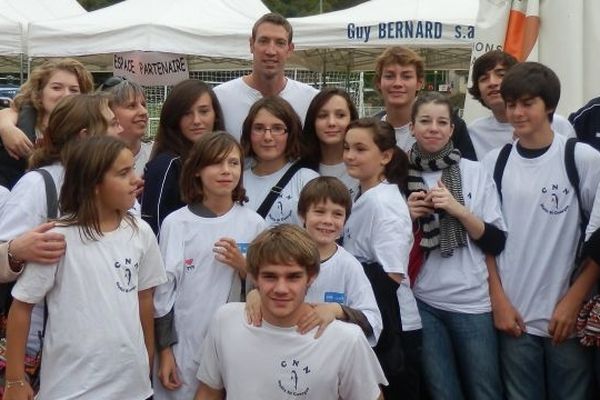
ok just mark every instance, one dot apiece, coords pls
pixel 361 373
pixel 35 282
pixel 210 372
pixel 392 238
pixel 152 270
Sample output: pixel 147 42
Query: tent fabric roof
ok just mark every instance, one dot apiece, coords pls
pixel 337 40
pixel 22 12
pixel 216 28
pixel 10 39
pixel 26 11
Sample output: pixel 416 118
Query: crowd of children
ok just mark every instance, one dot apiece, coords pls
pixel 375 256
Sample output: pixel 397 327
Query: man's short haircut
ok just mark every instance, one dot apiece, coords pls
pixel 321 189
pixel 275 19
pixel 532 79
pixel 485 63
pixel 399 55
pixel 283 244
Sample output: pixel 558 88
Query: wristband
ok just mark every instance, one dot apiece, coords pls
pixel 14 383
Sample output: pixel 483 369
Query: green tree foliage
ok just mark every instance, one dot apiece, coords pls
pixel 302 8
pixel 287 8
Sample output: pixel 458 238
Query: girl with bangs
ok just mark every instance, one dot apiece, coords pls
pixel 328 116
pixel 274 178
pixel 190 110
pixel 104 340
pixel 202 245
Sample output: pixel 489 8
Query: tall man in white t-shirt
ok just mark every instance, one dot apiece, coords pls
pixel 271 45
pixel 535 295
pixel 275 360
pixel 493 131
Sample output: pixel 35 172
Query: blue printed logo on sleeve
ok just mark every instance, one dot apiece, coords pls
pixel 335 297
pixel 243 248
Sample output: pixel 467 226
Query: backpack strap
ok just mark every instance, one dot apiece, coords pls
pixel 276 190
pixel 574 180
pixel 51 194
pixel 500 166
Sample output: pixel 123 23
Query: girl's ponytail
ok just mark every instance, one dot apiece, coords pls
pixel 396 171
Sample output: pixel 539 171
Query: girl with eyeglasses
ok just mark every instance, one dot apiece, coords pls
pixel 271 139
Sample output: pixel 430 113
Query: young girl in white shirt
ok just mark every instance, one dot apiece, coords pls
pixel 327 118
pixel 379 234
pixel 271 139
pixel 456 204
pixel 99 337
pixel 201 245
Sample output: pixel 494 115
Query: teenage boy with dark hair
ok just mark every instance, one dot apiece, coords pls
pixel 491 132
pixel 399 75
pixel 274 360
pixel 535 305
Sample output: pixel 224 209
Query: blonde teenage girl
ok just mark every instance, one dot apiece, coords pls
pixel 25 122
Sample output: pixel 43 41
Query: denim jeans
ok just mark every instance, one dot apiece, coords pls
pixel 460 355
pixel 534 368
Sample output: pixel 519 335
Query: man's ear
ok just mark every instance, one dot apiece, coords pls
pixel 251 43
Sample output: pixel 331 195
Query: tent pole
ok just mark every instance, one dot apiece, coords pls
pixel 21 76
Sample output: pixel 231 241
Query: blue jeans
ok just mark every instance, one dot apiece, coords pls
pixel 534 368
pixel 460 355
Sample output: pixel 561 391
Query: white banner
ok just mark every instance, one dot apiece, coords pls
pixel 151 68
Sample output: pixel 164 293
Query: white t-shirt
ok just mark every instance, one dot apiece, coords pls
pixel 26 206
pixel 460 283
pixel 94 344
pixel 404 138
pixel 339 171
pixel 236 98
pixel 142 157
pixel 487 133
pixel 271 362
pixel 285 207
pixel 542 216
pixel 342 280
pixel 197 283
pixel 379 229
pixel 4 193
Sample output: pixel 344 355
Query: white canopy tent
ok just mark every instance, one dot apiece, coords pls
pixel 212 28
pixel 350 39
pixel 10 39
pixel 13 39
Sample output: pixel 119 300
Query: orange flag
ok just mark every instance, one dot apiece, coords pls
pixel 523 28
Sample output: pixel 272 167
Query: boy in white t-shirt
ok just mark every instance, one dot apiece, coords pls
pixel 341 290
pixel 493 131
pixel 535 299
pixel 275 360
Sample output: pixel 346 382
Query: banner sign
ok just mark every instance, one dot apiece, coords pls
pixel 390 31
pixel 151 68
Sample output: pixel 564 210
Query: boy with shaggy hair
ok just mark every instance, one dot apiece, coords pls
pixel 284 260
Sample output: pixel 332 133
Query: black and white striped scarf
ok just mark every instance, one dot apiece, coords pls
pixel 447 232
